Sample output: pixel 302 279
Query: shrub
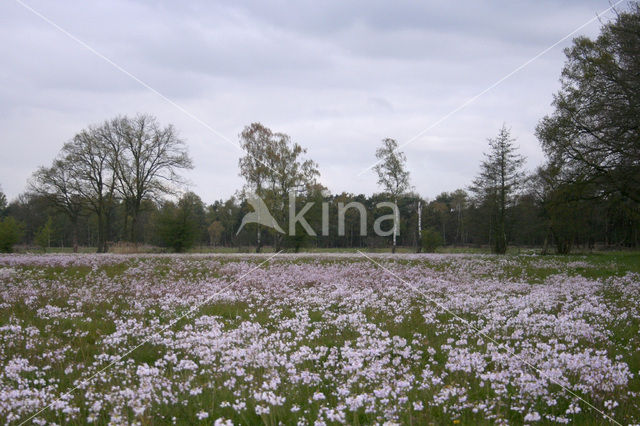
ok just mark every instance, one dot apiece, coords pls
pixel 431 240
pixel 43 236
pixel 10 234
pixel 177 228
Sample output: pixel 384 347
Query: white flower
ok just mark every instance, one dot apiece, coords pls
pixel 610 405
pixel 260 410
pixel 318 396
pixel 533 416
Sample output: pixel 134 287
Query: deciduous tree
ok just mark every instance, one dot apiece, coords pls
pixel 3 203
pixel 58 185
pixel 149 161
pixel 594 133
pixel 92 160
pixel 10 234
pixel 272 167
pixel 393 176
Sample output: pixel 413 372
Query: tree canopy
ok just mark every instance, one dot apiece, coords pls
pixel 393 176
pixel 593 135
pixel 128 159
pixel 274 166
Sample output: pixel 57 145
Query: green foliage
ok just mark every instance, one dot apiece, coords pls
pixel 495 186
pixel 410 325
pixel 298 241
pixel 590 186
pixel 176 230
pixel 431 240
pixel 593 132
pixel 273 167
pixel 3 204
pixel 10 234
pixel 179 225
pixel 393 176
pixel 228 213
pixel 215 231
pixel 43 237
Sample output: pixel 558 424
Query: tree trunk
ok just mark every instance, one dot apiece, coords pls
pixel 100 242
pixel 395 228
pixel 134 225
pixel 126 220
pixel 500 243
pixel 563 244
pixel 259 241
pixel 107 230
pixel 419 233
pixel 74 235
pixel 277 241
pixel 135 212
pixel 545 245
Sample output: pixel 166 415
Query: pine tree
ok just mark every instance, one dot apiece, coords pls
pixel 498 181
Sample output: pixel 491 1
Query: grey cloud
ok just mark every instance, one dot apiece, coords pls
pixel 338 76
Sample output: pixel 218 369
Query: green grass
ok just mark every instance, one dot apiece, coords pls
pixel 515 267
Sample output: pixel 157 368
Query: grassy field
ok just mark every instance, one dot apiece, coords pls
pixel 322 338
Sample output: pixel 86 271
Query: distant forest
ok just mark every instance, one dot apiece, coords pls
pixel 119 182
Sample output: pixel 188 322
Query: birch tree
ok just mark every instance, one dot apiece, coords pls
pixel 272 167
pixel 393 176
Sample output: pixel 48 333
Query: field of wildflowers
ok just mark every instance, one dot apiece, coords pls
pixel 318 339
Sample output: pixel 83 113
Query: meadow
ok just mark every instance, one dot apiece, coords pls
pixel 323 338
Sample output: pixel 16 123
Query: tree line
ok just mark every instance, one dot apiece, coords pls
pixel 121 181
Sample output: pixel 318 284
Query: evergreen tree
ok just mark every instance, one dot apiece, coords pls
pixel 499 179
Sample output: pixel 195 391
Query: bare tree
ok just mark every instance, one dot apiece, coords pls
pixel 125 158
pixel 149 158
pixel 92 162
pixel 392 175
pixel 58 185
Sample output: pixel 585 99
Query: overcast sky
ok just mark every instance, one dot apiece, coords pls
pixel 337 76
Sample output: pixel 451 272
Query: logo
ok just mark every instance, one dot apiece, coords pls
pixel 262 216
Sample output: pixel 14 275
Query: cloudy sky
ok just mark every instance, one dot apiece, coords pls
pixel 337 76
